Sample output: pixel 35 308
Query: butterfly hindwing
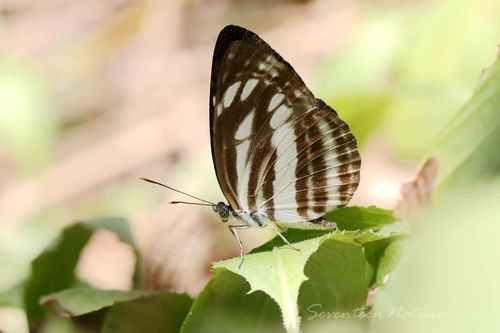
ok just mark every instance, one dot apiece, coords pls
pixel 278 151
pixel 318 169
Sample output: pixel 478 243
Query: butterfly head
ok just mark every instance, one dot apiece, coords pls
pixel 224 210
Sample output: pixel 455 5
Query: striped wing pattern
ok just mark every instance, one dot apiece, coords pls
pixel 279 153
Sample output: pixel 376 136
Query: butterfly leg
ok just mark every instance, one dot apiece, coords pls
pixel 233 229
pixel 278 231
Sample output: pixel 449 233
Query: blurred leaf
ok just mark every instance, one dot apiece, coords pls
pixel 161 312
pixel 54 269
pixel 478 120
pixel 424 60
pixel 388 256
pixel 447 42
pixel 339 274
pixel 225 305
pixel 480 168
pixel 439 59
pixel 27 125
pixel 79 301
pixel 55 324
pixel 363 67
pixel 121 311
pixel 363 113
pixel 441 269
pixel 19 245
pixel 448 281
pixel 356 85
pixel 12 296
pixel 413 121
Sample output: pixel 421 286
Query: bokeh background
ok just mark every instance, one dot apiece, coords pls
pixel 95 94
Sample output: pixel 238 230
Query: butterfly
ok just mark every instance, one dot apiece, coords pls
pixel 282 157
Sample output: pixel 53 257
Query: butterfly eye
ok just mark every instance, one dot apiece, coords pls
pixel 223 210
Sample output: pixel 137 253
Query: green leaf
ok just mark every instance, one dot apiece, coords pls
pixel 477 121
pixel 80 301
pixel 383 255
pixel 160 312
pixel 339 278
pixel 360 218
pixel 388 261
pixel 293 236
pixel 54 269
pixel 332 270
pixel 224 305
pixel 347 218
pixel 123 311
pixel 341 273
pixel 279 273
pixel 478 169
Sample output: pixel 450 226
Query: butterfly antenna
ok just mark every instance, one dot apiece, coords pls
pixel 179 191
pixel 191 203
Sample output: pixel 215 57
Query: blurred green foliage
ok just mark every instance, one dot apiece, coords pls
pixel 230 307
pixel 338 270
pixel 448 281
pixel 28 124
pixel 20 244
pixel 467 147
pixel 54 268
pixel 80 301
pixel 410 68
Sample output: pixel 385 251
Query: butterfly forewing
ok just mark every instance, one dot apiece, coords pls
pixel 278 151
